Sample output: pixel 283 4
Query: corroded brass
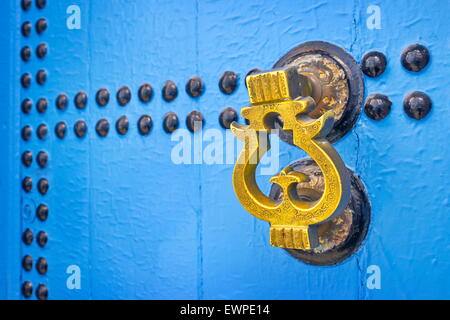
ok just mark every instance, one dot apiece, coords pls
pixel 293 221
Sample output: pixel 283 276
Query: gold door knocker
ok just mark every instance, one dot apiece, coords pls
pixel 293 222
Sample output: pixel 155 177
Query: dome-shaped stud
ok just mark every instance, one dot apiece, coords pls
pixel 170 122
pixel 60 129
pixel 227 116
pixel 41 26
pixel 40 4
pixel 27 158
pixel 62 101
pixel 373 64
pixel 42 212
pixel 43 186
pixel 41 77
pixel 122 125
pixel 26 28
pixel 194 121
pixel 145 124
pixel 25 53
pixel 25 80
pixel 417 105
pixel 41 50
pixel 42 292
pixel 27 262
pixel 27 237
pixel 27 184
pixel 169 91
pixel 145 92
pixel 81 100
pixel 377 106
pixel 26 5
pixel 42 131
pixel 194 87
pixel 415 57
pixel 228 82
pixel 80 128
pixel 26 106
pixel 102 97
pixel 27 289
pixel 102 127
pixel 123 96
pixel 42 238
pixel 42 159
pixel 26 133
pixel 42 105
pixel 42 265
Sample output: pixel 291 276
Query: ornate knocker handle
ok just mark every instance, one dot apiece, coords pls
pixel 293 221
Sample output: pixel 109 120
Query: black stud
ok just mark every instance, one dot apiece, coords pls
pixel 62 101
pixel 42 265
pixel 27 237
pixel 145 124
pixel 27 262
pixel 253 71
pixel 41 105
pixel 41 50
pixel 123 96
pixel 27 158
pixel 26 5
pixel 25 80
pixel 26 28
pixel 102 127
pixel 60 129
pixel 415 57
pixel 194 87
pixel 41 77
pixel 27 289
pixel 42 238
pixel 43 186
pixel 377 106
pixel 40 4
pixel 25 53
pixel 145 92
pixel 169 91
pixel 27 104
pixel 373 64
pixel 42 292
pixel 81 100
pixel 102 97
pixel 41 26
pixel 42 131
pixel 26 133
pixel 42 159
pixel 27 184
pixel 194 121
pixel 228 82
pixel 42 212
pixel 417 105
pixel 227 116
pixel 80 128
pixel 170 122
pixel 122 125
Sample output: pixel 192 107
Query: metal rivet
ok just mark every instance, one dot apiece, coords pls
pixel 102 97
pixel 27 237
pixel 42 238
pixel 27 289
pixel 25 53
pixel 415 57
pixel 145 92
pixel 26 4
pixel 27 184
pixel 42 212
pixel 194 87
pixel 122 125
pixel 170 122
pixel 228 82
pixel 42 131
pixel 27 158
pixel 373 64
pixel 80 128
pixel 42 159
pixel 41 105
pixel 123 96
pixel 81 100
pixel 62 101
pixel 253 71
pixel 227 116
pixel 60 129
pixel 145 124
pixel 102 127
pixel 169 91
pixel 417 104
pixel 26 133
pixel 194 121
pixel 41 50
pixel 40 4
pixel 41 26
pixel 42 292
pixel 41 77
pixel 377 106
pixel 27 104
pixel 27 262
pixel 26 28
pixel 43 186
pixel 42 265
pixel 25 80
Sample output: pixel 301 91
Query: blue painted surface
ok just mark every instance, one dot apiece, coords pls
pixel 140 226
